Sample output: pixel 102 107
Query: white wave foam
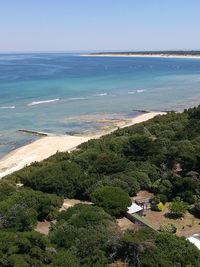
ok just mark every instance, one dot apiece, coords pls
pixel 102 94
pixel 43 102
pixel 131 93
pixel 140 91
pixel 7 107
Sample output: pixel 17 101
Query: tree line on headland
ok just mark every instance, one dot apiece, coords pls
pixel 161 155
pixel 151 53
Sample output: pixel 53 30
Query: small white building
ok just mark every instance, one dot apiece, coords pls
pixel 195 239
pixel 134 208
pixel 135 215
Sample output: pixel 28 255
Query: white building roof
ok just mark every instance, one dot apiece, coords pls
pixel 195 239
pixel 134 208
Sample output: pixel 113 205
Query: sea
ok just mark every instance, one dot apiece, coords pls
pixel 63 93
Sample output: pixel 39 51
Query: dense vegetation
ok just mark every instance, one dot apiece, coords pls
pixel 161 155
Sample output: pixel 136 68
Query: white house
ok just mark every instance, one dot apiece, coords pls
pixel 195 239
pixel 134 208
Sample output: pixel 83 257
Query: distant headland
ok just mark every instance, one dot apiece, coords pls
pixel 175 54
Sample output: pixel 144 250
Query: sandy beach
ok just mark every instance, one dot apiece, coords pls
pixel 142 55
pixel 49 145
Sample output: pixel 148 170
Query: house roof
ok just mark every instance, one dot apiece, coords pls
pixel 142 220
pixel 195 239
pixel 134 208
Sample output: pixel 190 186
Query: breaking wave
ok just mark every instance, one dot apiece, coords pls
pixel 140 91
pixel 7 107
pixel 43 102
pixel 102 94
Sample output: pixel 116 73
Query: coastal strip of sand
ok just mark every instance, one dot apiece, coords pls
pixel 49 145
pixel 142 55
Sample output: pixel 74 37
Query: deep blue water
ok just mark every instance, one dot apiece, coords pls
pixel 53 92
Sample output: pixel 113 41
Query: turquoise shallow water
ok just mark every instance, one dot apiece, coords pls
pixel 53 92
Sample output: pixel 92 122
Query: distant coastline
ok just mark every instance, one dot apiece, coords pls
pixel 164 54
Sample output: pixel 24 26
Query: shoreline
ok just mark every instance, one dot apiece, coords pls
pixel 142 55
pixel 48 145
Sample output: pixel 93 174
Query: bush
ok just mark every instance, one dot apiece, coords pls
pixel 162 198
pixel 19 217
pixel 65 259
pixel 24 249
pixel 82 215
pixel 61 178
pixel 87 231
pixel 160 206
pixel 178 207
pixel 22 209
pixel 157 206
pixel 169 228
pixel 108 163
pixel 6 189
pixel 113 200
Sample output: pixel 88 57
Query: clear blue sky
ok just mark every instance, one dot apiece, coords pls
pixel 67 25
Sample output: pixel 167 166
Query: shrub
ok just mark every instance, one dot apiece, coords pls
pixel 163 198
pixel 169 228
pixel 157 206
pixel 178 207
pixel 114 200
pixel 160 206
